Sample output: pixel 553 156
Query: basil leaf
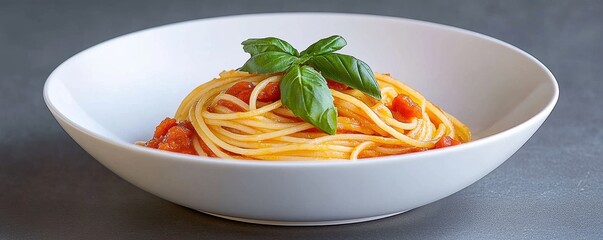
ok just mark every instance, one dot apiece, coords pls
pixel 347 70
pixel 268 62
pixel 255 46
pixel 304 91
pixel 325 45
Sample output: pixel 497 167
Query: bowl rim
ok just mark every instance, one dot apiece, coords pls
pixel 542 113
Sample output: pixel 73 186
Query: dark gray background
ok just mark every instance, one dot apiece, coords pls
pixel 50 188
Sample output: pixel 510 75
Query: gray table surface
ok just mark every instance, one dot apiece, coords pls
pixel 552 188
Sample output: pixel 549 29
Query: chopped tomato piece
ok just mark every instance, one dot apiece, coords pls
pixel 241 90
pixel 270 93
pixel 164 126
pixel 446 141
pixel 404 108
pixel 174 136
pixel 153 143
pixel 178 139
pixel 336 85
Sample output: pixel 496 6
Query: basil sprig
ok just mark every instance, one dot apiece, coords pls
pixel 304 88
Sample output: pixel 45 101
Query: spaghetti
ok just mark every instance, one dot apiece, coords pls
pixel 239 115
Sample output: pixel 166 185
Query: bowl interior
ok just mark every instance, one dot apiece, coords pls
pixel 122 88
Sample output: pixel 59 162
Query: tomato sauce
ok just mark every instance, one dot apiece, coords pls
pixel 230 105
pixel 206 149
pixel 446 141
pixel 336 85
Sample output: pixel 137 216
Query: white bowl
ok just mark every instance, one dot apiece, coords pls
pixel 113 94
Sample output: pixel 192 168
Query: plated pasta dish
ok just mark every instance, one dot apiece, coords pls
pixel 311 105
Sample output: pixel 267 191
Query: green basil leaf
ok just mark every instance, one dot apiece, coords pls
pixel 268 62
pixel 347 70
pixel 325 45
pixel 305 92
pixel 255 46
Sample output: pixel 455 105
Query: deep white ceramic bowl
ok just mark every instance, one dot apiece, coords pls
pixel 113 94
